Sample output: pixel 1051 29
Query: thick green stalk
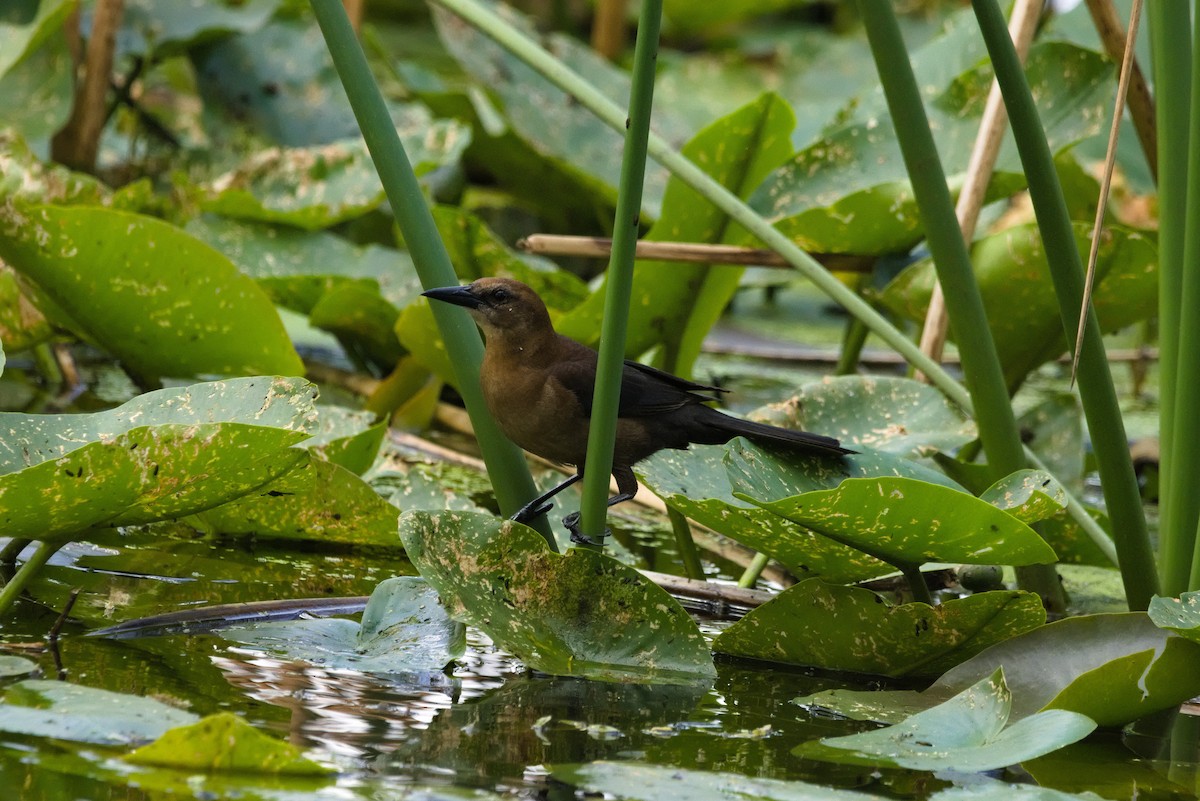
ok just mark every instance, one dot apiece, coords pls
pixel 1096 390
pixel 689 555
pixel 1172 55
pixel 1185 465
pixel 603 431
pixel 36 561
pixel 964 303
pixel 505 463
pixel 753 570
pixel 682 168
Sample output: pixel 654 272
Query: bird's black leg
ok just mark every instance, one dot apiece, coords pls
pixel 539 504
pixel 627 487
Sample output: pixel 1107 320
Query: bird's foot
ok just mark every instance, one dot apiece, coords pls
pixel 571 523
pixel 529 512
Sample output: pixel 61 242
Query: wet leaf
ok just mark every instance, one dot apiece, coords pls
pixel 161 455
pixel 85 714
pixel 575 614
pixel 404 629
pixel 853 629
pixel 965 733
pixel 1114 668
pixel 161 301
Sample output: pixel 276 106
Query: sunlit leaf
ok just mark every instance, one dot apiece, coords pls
pixel 44 708
pixel 576 614
pixel 965 733
pixel 224 742
pixel 160 300
pixel 404 629
pixel 852 629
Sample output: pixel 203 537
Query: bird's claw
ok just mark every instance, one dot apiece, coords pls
pixel 571 523
pixel 526 513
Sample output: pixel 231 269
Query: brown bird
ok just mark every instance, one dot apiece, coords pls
pixel 538 386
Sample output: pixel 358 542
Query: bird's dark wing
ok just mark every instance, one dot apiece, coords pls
pixel 645 390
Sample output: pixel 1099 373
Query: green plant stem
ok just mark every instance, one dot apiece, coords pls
pixel 1185 466
pixel 505 462
pixel 916 583
pixel 47 366
pixel 603 429
pixel 753 570
pixel 688 554
pixel 10 552
pixel 964 302
pixel 1171 47
pixel 12 590
pixel 1096 390
pixel 682 168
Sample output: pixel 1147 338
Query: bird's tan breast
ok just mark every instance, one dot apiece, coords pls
pixel 533 410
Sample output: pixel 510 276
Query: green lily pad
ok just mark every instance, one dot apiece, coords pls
pixel 404 629
pixel 696 483
pixel 1180 615
pixel 102 274
pixel 907 521
pixel 225 743
pixel 575 614
pixel 1028 495
pixel 85 714
pixel 158 28
pixel 893 415
pixel 853 629
pixel 16 666
pixel 36 94
pixel 966 733
pixel 317 500
pixel 1114 668
pixel 164 454
pixel 633 780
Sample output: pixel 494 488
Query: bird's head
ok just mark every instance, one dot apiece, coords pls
pixel 500 306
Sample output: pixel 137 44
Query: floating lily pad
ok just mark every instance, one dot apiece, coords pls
pixel 1113 668
pixel 633 780
pixel 404 629
pixel 85 714
pixel 225 743
pixel 1028 495
pixel 103 273
pixel 853 629
pixel 164 454
pixel 965 733
pixel 16 666
pixel 1180 615
pixel 575 614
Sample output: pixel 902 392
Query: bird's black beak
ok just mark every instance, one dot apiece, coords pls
pixel 458 295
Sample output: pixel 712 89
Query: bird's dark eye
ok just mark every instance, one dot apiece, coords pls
pixel 500 295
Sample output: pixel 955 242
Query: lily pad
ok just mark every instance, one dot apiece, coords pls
pixel 404 629
pixel 158 28
pixel 16 666
pixel 633 780
pixel 19 37
pixel 575 614
pixel 893 415
pixel 1114 668
pixel 696 483
pixel 1180 615
pixel 907 521
pixel 1028 495
pixel 101 273
pixel 965 733
pixel 164 454
pixel 853 629
pixel 85 714
pixel 225 743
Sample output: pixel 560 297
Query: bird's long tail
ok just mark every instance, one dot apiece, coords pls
pixel 801 441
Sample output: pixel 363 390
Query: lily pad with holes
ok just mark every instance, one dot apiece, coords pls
pixel 574 614
pixel 852 629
